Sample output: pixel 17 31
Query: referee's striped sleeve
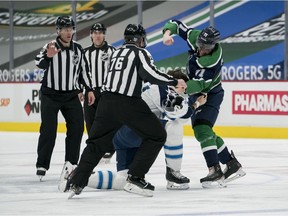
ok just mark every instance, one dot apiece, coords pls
pixel 86 73
pixel 42 60
pixel 149 72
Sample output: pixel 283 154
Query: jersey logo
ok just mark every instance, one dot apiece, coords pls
pixel 104 56
pixel 75 59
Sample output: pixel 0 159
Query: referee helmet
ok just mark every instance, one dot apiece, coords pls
pixel 98 27
pixel 65 21
pixel 135 34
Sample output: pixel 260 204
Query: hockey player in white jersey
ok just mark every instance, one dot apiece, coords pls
pixel 172 108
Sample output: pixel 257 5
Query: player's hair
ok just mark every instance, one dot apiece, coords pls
pixel 178 74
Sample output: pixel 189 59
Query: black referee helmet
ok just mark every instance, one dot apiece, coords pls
pixel 208 38
pixel 98 27
pixel 135 34
pixel 65 21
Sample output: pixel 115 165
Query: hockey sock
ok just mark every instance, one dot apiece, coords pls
pixel 124 157
pixel 173 147
pixel 101 179
pixel 173 156
pixel 223 153
pixel 205 135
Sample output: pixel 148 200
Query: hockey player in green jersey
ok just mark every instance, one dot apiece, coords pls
pixel 204 70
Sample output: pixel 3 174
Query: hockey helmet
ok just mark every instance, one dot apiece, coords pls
pixel 65 21
pixel 98 27
pixel 135 34
pixel 207 38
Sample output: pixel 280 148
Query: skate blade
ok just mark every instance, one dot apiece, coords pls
pixel 72 194
pixel 175 186
pixel 240 173
pixel 67 169
pixel 131 188
pixel 214 184
pixel 62 187
pixel 40 178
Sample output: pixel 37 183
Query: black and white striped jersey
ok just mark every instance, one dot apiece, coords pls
pixel 98 59
pixel 62 71
pixel 129 67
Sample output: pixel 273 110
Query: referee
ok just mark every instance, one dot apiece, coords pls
pixel 62 61
pixel 120 104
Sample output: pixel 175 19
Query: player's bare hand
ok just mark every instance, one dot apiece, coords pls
pixel 167 39
pixel 202 99
pixel 52 50
pixel 91 98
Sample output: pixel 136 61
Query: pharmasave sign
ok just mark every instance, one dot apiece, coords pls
pixel 42 17
pixel 260 102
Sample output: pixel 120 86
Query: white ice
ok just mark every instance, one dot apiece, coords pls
pixel 263 191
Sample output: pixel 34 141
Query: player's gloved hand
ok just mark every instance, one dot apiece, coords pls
pixel 177 101
pixel 175 106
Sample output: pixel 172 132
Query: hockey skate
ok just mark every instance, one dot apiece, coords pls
pixel 107 157
pixel 74 190
pixel 139 186
pixel 215 175
pixel 175 180
pixel 41 172
pixel 67 169
pixel 233 169
pixel 70 187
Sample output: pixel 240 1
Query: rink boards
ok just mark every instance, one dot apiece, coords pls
pixel 249 109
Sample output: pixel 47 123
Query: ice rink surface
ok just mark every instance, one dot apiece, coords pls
pixel 263 191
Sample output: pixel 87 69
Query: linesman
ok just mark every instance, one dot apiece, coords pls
pixel 98 55
pixel 62 61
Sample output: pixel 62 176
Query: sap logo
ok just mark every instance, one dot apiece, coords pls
pixel 4 102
